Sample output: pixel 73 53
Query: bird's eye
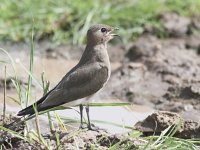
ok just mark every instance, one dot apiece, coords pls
pixel 103 30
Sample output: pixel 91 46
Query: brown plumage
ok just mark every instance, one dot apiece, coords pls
pixel 86 78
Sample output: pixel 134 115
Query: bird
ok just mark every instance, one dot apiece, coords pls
pixel 85 79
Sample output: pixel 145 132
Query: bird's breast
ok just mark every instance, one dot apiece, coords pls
pixel 107 73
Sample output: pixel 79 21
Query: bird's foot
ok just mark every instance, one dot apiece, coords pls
pixel 82 126
pixel 93 127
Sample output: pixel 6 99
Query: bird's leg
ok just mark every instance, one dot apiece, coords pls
pixel 81 114
pixel 88 116
pixel 90 126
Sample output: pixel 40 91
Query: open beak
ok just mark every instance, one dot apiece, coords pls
pixel 114 29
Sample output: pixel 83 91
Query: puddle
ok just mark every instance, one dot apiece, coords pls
pixel 114 119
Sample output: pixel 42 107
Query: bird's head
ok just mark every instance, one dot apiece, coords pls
pixel 100 34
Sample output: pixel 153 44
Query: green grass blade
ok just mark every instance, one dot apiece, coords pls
pixel 28 96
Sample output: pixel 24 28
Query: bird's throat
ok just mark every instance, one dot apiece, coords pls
pixel 94 53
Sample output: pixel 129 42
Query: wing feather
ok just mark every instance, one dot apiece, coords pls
pixel 80 83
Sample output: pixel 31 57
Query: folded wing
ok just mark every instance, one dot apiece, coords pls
pixel 80 82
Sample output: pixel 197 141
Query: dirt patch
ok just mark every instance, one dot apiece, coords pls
pixel 83 139
pixel 174 24
pixel 9 140
pixel 159 121
pixel 162 74
pixel 89 139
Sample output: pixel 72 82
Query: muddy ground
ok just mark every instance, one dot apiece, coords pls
pixel 163 74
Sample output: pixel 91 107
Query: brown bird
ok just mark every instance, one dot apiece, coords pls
pixel 85 79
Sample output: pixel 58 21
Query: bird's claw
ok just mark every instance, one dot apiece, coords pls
pixel 93 127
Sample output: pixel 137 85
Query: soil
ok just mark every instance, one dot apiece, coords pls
pixel 163 74
pixel 84 139
pixel 159 121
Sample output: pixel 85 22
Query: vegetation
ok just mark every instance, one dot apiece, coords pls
pixel 66 21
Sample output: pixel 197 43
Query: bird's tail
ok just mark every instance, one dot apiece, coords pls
pixel 30 109
pixel 27 111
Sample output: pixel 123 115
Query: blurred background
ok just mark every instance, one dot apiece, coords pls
pixel 155 62
pixel 66 21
